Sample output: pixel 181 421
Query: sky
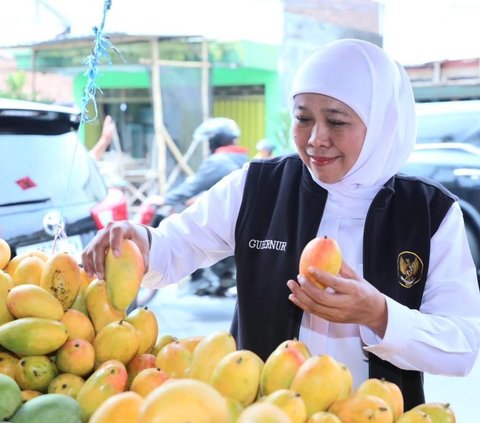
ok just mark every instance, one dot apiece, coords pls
pixel 419 31
pixel 415 31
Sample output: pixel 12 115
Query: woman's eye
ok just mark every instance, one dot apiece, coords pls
pixel 302 118
pixel 336 122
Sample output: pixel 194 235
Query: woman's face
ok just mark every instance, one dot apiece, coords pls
pixel 328 134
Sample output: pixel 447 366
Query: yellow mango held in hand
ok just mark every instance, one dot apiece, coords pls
pixel 322 253
pixel 123 274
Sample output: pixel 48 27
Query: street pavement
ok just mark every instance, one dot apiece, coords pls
pixel 183 315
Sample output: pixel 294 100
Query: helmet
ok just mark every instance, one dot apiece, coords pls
pixel 218 131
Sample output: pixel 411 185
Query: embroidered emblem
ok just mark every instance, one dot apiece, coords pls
pixel 409 268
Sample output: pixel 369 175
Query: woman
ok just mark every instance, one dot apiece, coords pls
pixel 406 300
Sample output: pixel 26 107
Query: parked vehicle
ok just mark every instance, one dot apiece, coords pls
pixel 456 166
pixel 449 121
pixel 48 181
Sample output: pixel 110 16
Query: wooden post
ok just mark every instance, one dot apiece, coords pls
pixel 158 118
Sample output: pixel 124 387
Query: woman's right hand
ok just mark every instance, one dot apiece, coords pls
pixel 93 257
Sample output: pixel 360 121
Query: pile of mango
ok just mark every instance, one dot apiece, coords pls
pixel 70 353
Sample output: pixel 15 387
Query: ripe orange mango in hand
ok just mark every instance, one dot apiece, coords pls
pixel 322 253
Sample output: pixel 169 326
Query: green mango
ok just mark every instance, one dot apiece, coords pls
pixel 49 408
pixel 10 396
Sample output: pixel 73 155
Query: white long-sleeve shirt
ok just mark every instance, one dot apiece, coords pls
pixel 443 337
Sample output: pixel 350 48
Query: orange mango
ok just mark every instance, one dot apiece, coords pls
pixel 29 270
pixel 121 408
pixel 322 253
pixel 66 384
pixel 145 322
pixel 108 380
pixel 6 283
pixel 61 277
pixel 8 362
pixel 362 408
pixel 5 253
pixel 318 381
pixel 175 359
pixel 33 336
pixel 15 261
pixel 35 373
pixel 116 341
pixel 147 380
pixel 138 363
pixel 31 300
pixel 78 325
pixel 76 356
pixel 99 309
pixel 280 368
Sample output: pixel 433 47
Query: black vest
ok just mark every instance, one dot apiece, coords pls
pixel 281 211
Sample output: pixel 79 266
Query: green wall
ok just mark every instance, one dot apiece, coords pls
pixel 250 76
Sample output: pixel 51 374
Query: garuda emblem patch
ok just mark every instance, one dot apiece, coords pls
pixel 409 268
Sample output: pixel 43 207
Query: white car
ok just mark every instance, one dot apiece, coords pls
pixel 50 188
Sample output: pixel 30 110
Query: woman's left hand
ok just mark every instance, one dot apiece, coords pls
pixel 347 298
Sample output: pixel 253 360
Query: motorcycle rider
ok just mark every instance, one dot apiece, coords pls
pixel 226 155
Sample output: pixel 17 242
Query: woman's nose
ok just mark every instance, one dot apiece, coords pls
pixel 320 136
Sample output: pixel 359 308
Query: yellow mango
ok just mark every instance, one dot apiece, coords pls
pixel 237 376
pixel 6 283
pixel 28 394
pixel 346 381
pixel 414 416
pixel 280 368
pixel 191 342
pixel 8 362
pixel 76 356
pixel 318 381
pixel 66 384
pixel 108 380
pixel 323 417
pixel 33 336
pixel 123 274
pixel 234 408
pixel 116 341
pixel 33 301
pixel 5 253
pixel 291 403
pixel 147 380
pixel 79 303
pixel 61 277
pixel 121 408
pixel 35 373
pixel 209 351
pixel 138 363
pixel 264 412
pixel 175 359
pixel 184 400
pixel 99 309
pixel 388 391
pixel 29 270
pixel 15 261
pixel 295 344
pixel 78 325
pixel 161 341
pixel 362 409
pixel 438 412
pixel 145 322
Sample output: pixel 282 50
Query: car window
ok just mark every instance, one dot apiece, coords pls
pixel 448 121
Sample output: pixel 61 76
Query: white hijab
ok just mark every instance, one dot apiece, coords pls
pixel 378 89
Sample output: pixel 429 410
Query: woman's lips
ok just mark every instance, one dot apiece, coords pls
pixel 321 160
